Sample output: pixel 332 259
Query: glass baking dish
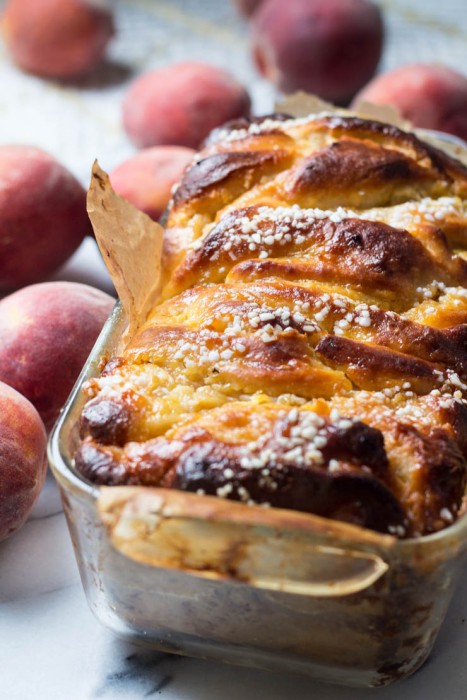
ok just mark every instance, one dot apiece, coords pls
pixel 270 588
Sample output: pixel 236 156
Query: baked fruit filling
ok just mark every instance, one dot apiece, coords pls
pixel 310 348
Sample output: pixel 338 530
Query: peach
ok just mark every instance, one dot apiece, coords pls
pixel 59 39
pixel 23 464
pixel 43 216
pixel 326 47
pixel 431 96
pixel 47 332
pixel 180 104
pixel 146 180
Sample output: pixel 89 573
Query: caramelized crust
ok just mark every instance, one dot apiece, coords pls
pixel 233 172
pixel 337 174
pixel 298 244
pixel 310 348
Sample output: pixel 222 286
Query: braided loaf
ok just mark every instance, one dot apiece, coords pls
pixel 310 350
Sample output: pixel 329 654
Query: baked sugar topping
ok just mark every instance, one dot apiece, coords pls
pixel 270 227
pixel 268 125
pixel 407 215
pixel 438 290
pixel 301 440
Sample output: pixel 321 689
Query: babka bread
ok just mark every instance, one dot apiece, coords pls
pixel 310 347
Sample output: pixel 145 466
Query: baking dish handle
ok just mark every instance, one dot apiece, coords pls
pixel 239 543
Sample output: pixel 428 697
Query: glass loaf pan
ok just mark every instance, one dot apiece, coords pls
pixel 276 589
pixel 280 590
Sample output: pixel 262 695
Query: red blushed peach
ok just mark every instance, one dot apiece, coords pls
pixel 146 180
pixel 23 463
pixel 57 38
pixel 180 104
pixel 43 216
pixel 47 331
pixel 431 96
pixel 326 47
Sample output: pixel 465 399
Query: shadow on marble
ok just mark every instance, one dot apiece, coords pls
pixel 110 73
pixel 49 502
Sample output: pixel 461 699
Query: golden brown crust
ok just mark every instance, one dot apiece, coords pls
pixel 311 351
pixel 346 251
pixel 334 176
pixel 232 171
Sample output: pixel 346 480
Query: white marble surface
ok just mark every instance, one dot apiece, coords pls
pixel 51 647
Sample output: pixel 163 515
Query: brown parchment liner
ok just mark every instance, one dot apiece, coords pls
pixel 131 246
pixel 301 104
pixel 223 540
pixel 203 535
